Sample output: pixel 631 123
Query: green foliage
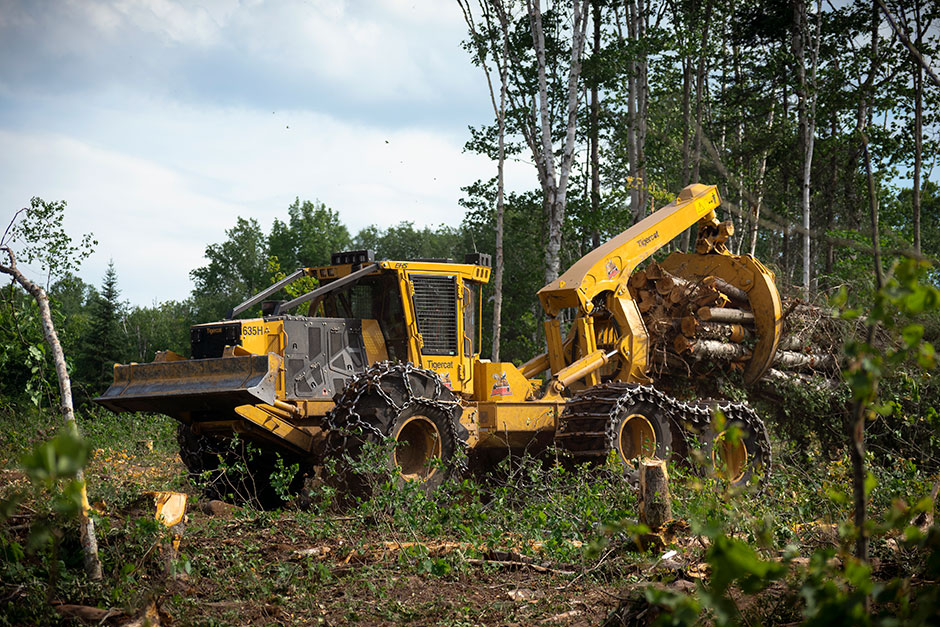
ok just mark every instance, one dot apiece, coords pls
pixel 102 343
pixel 404 241
pixel 38 235
pixel 312 233
pixel 236 270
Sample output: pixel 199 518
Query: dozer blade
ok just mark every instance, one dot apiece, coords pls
pixel 189 385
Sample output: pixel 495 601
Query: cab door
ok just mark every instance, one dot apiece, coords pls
pixel 437 313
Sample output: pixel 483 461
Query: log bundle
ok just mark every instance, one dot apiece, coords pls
pixel 695 325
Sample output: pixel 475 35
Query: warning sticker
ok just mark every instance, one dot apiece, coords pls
pixel 445 379
pixel 500 385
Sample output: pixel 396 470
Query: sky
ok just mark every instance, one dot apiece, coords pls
pixel 160 122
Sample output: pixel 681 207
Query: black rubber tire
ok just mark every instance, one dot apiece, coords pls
pixel 213 466
pixel 424 401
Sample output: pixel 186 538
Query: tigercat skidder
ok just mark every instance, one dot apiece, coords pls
pixel 389 350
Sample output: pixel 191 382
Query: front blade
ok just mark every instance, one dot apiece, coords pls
pixel 191 385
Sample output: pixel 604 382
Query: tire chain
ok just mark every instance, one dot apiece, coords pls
pixel 604 403
pixel 345 422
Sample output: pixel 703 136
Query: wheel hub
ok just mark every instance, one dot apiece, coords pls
pixel 730 457
pixel 637 438
pixel 417 442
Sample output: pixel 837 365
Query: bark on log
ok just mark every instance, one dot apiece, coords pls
pixel 712 349
pixel 721 314
pixel 655 503
pixel 736 294
pixel 815 361
pixel 723 331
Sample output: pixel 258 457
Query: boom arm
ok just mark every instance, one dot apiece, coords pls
pixel 607 267
pixel 606 270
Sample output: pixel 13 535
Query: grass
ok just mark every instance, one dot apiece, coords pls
pixel 529 542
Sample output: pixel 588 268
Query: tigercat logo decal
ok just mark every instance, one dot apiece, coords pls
pixel 611 268
pixel 500 385
pixel 649 238
pixel 445 379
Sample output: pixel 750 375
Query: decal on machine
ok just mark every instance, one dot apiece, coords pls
pixel 612 269
pixel 445 379
pixel 500 385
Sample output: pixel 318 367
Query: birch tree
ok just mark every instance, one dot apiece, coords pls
pixel 482 56
pixel 536 111
pixel 804 35
pixel 44 240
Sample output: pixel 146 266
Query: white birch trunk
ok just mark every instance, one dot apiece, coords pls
pixel 89 541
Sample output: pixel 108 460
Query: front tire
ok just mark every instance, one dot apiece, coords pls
pixel 409 410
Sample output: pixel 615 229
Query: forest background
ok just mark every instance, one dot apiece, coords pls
pixel 811 119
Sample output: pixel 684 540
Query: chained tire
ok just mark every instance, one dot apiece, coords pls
pixel 228 471
pixel 409 415
pixel 615 420
pixel 739 452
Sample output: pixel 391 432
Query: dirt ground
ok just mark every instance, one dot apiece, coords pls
pixel 249 567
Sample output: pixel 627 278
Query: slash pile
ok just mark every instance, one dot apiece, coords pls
pixel 693 324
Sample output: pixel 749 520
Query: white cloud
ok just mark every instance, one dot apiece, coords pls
pixel 154 207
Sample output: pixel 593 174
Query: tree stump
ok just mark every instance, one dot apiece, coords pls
pixel 655 504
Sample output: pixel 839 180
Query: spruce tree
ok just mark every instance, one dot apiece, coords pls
pixel 102 346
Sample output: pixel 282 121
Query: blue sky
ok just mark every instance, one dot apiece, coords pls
pixel 159 121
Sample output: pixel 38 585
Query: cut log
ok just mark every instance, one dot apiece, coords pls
pixel 665 285
pixel 689 326
pixel 721 314
pixel 722 331
pixel 803 361
pixel 682 344
pixel 654 271
pixel 792 343
pixel 712 349
pixel 638 280
pixel 734 293
pixel 655 503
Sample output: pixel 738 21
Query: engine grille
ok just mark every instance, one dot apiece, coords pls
pixel 435 301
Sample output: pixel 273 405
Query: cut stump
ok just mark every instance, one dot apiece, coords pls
pixel 655 504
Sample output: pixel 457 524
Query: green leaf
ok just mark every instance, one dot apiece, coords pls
pixel 926 357
pixel 912 334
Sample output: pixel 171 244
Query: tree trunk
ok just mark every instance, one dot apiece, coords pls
pixel 761 172
pixel 631 15
pixel 918 133
pixel 806 103
pixel 700 83
pixel 595 131
pixel 554 187
pixel 89 541
pixel 499 110
pixel 642 108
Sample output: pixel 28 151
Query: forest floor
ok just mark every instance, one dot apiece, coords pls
pixel 535 549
